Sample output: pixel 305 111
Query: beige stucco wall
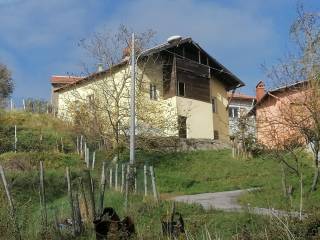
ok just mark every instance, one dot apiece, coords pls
pixel 199 117
pixel 220 117
pixel 97 87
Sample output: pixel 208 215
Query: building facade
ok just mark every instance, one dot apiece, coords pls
pixel 239 105
pixel 181 75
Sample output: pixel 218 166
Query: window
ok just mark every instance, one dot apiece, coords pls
pixel 214 104
pixel 182 126
pixel 233 112
pixel 90 101
pixel 153 92
pixel 90 98
pixel 181 89
pixel 215 135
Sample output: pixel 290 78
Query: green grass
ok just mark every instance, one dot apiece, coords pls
pixel 208 171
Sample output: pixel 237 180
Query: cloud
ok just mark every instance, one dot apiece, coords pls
pixel 40 37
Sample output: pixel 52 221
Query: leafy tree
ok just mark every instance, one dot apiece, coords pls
pixel 6 84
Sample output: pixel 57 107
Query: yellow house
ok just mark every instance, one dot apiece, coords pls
pixel 181 75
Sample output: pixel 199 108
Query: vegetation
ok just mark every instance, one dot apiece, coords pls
pixel 6 84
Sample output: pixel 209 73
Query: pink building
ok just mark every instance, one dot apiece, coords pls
pixel 273 111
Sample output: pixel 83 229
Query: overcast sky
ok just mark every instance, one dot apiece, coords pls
pixel 38 38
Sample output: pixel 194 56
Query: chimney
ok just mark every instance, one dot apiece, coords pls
pixel 260 90
pixel 126 52
pixel 100 67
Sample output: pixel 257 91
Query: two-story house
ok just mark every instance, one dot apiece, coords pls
pixel 185 75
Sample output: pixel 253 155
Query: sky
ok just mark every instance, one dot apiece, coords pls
pixel 39 38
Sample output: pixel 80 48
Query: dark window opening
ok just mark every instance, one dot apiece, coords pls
pixel 153 92
pixel 233 112
pixel 182 126
pixel 214 105
pixel 181 89
pixel 215 135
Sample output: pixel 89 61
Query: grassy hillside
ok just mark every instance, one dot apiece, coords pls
pixel 176 172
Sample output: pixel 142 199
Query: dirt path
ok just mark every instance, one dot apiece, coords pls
pixel 228 201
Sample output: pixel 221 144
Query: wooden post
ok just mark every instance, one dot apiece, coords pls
pixel 6 188
pixel 78 220
pixel 110 175
pixel 71 199
pixel 127 188
pixel 122 177
pixel 83 193
pixel 91 187
pixel 15 138
pixel 81 147
pixel 301 197
pixel 154 187
pixel 12 208
pixel 93 159
pixel 116 178
pixel 88 158
pixel 145 180
pixel 135 180
pixel 42 196
pixel 78 145
pixel 62 146
pixel 102 186
pixel 85 152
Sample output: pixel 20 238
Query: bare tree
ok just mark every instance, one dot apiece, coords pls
pixel 102 107
pixel 300 110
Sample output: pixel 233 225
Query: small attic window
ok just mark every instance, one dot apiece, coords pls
pixel 181 89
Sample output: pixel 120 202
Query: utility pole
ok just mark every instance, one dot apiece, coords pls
pixel 132 104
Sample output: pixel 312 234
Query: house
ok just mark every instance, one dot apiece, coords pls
pixel 183 75
pixel 272 111
pixel 239 105
pixel 58 82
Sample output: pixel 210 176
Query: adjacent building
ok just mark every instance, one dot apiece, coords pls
pixel 239 105
pixel 272 110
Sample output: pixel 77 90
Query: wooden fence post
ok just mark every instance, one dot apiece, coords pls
pixel 93 159
pixel 83 193
pixel 116 178
pixel 135 180
pixel 62 145
pixel 71 199
pixel 154 187
pixel 42 196
pixel 15 138
pixel 78 220
pixel 91 188
pixel 122 177
pixel 127 188
pixel 78 145
pixel 12 208
pixel 110 178
pixel 145 180
pixel 85 152
pixel 81 147
pixel 102 186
